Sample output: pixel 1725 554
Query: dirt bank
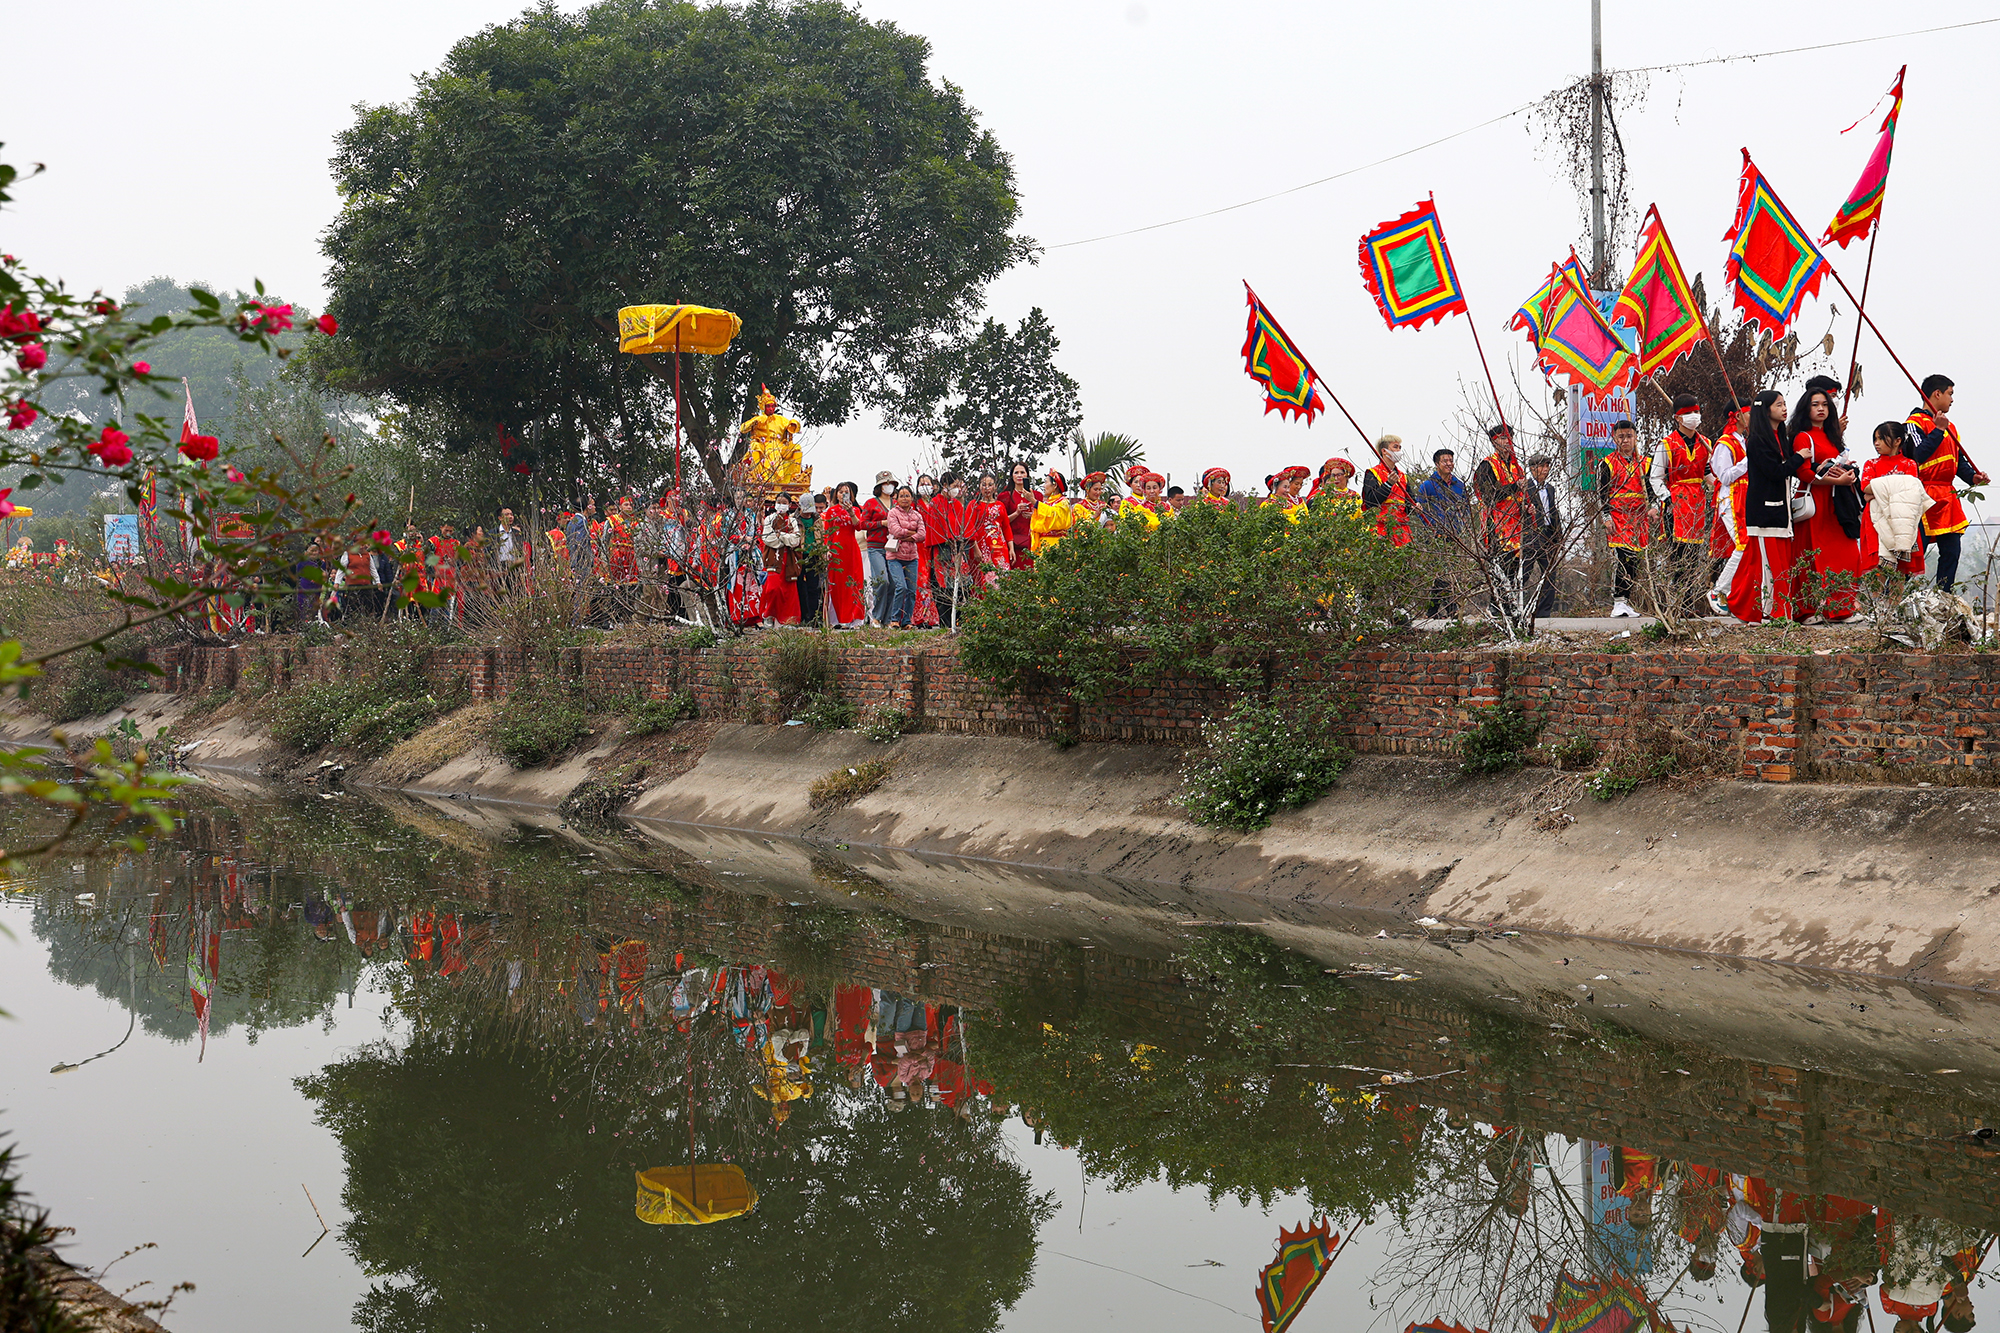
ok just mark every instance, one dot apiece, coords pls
pixel 1881 882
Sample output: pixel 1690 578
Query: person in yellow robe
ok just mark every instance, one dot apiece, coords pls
pixel 775 458
pixel 1053 516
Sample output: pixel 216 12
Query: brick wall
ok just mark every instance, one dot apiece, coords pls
pixel 1894 716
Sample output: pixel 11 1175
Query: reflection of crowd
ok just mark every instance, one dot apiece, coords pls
pixel 1814 1255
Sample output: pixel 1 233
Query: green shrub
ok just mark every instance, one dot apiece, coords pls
pixel 884 725
pixel 538 723
pixel 1606 785
pixel 1498 740
pixel 695 639
pixel 1573 752
pixel 799 663
pixel 360 713
pixel 648 717
pixel 826 711
pixel 78 686
pixel 1258 761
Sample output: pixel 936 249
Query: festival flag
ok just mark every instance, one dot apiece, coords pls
pixel 1529 316
pixel 1657 303
pixel 1288 1280
pixel 1571 335
pixel 1864 203
pixel 1270 358
pixel 1772 264
pixel 1593 1306
pixel 1408 270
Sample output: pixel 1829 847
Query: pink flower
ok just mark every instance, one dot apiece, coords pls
pixel 32 356
pixel 268 318
pixel 17 326
pixel 111 447
pixel 21 415
pixel 328 325
pixel 235 473
pixel 141 368
pixel 381 537
pixel 6 505
pixel 203 447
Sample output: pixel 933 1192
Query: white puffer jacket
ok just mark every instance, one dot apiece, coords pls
pixel 1896 504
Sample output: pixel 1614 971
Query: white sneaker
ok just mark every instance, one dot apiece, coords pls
pixel 1622 608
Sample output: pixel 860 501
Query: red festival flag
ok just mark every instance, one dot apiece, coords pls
pixel 1571 335
pixel 1864 202
pixel 1288 1280
pixel 1773 264
pixel 1657 303
pixel 1407 268
pixel 1270 358
pixel 1529 316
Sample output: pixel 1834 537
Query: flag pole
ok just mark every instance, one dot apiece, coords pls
pixel 1490 386
pixel 1854 359
pixel 1308 365
pixel 1862 311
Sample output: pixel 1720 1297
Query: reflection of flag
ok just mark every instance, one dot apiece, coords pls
pixel 1657 303
pixel 1407 268
pixel 1773 264
pixel 1270 358
pixel 1438 1325
pixel 1286 1282
pixel 1864 202
pixel 204 966
pixel 1572 337
pixel 1594 1306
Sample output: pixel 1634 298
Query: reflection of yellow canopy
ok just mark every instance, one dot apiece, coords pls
pixel 653 328
pixel 692 1195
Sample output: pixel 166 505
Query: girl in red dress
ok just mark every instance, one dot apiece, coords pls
pixel 846 575
pixel 992 531
pixel 1763 582
pixel 1890 461
pixel 1826 556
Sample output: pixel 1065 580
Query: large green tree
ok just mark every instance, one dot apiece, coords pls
pixel 793 163
pixel 992 398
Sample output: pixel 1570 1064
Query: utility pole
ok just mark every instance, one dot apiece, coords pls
pixel 1598 259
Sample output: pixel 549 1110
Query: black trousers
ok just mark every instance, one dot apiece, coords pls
pixel 811 593
pixel 1624 574
pixel 1947 549
pixel 1538 572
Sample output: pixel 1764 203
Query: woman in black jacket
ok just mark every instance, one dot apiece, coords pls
pixel 1762 587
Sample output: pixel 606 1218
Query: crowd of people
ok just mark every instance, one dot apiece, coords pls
pixel 1773 519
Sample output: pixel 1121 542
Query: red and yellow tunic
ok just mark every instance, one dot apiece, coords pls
pixel 1491 481
pixel 1625 500
pixel 1940 477
pixel 1687 486
pixel 1392 519
pixel 1725 536
pixel 623 565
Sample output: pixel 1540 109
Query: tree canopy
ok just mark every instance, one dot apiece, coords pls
pixel 993 398
pixel 792 163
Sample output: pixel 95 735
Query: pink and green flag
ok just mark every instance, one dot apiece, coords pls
pixel 1864 203
pixel 1270 358
pixel 1572 338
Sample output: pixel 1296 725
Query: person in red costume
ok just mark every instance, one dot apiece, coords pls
pixel 1626 512
pixel 1215 486
pixel 1934 446
pixel 1889 463
pixel 1386 490
pixel 1680 482
pixel 1826 556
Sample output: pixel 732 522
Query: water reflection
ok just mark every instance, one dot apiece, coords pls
pixel 578 1019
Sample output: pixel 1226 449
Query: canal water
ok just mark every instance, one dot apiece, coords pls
pixel 395 1066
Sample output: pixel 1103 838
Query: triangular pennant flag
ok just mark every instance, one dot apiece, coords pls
pixel 1408 270
pixel 1270 358
pixel 1572 336
pixel 1529 316
pixel 1772 264
pixel 1864 201
pixel 1657 304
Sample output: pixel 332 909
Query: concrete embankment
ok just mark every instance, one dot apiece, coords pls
pixel 1881 882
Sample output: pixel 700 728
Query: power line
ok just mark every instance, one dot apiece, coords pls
pixel 1509 115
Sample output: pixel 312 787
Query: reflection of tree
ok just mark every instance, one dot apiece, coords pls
pixel 1248 1107
pixel 487 1195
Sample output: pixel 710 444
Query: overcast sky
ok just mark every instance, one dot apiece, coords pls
pixel 1133 112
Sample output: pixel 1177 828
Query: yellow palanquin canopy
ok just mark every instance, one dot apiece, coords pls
pixel 675 328
pixel 693 1195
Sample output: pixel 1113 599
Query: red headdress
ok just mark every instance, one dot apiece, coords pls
pixel 1213 473
pixel 1056 481
pixel 1296 470
pixel 1091 480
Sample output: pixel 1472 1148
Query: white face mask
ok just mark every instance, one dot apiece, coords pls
pixel 924 488
pixel 1392 456
pixel 784 508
